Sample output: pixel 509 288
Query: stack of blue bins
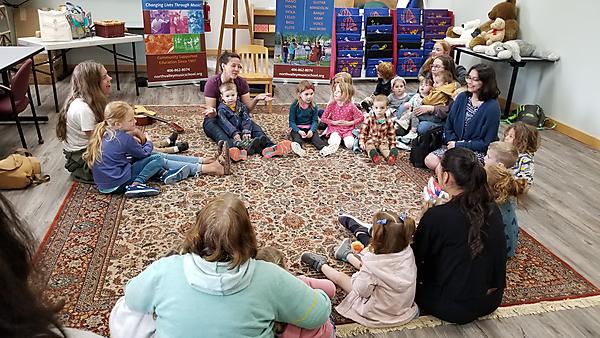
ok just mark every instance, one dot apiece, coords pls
pixel 435 24
pixel 410 42
pixel 379 39
pixel 350 48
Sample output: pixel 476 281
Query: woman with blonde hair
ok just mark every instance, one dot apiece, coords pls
pixel 217 288
pixel 440 48
pixel 90 86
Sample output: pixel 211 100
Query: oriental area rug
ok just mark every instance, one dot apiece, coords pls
pixel 98 242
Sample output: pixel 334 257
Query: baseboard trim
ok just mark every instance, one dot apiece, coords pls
pixel 564 129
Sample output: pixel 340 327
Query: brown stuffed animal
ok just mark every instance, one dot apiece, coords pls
pixel 496 34
pixel 506 10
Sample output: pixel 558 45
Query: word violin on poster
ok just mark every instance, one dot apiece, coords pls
pixel 174 40
pixel 303 31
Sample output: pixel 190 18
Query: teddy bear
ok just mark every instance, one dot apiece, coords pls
pixel 463 34
pixel 519 48
pixel 506 10
pixel 496 33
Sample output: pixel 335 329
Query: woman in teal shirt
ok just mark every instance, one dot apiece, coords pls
pixel 217 289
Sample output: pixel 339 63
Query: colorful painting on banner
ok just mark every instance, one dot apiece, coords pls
pixel 174 38
pixel 303 39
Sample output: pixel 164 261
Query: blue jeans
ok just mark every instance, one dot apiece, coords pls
pixel 172 161
pixel 425 126
pixel 142 170
pixel 213 130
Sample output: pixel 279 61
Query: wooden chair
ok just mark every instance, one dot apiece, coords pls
pixel 255 68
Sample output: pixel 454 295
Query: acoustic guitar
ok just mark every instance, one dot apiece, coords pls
pixel 146 117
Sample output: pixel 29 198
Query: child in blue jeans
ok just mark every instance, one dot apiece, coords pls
pixel 120 163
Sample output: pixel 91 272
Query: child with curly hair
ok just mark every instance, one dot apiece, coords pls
pixel 527 141
pixel 385 74
pixel 500 158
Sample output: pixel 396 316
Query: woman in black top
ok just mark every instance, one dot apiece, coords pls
pixel 459 247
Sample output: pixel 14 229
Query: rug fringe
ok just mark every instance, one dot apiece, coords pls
pixel 349 330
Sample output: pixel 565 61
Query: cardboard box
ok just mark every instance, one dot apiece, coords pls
pixel 43 78
pixel 26 21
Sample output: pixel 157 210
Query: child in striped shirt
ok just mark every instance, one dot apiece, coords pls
pixel 526 140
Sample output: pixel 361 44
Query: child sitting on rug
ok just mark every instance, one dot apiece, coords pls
pixel 120 163
pixel 337 78
pixel 500 158
pixel 377 135
pixel 398 97
pixel 385 74
pixel 527 141
pixel 409 121
pixel 341 117
pixel 382 292
pixel 246 138
pixel 303 119
pixel 327 330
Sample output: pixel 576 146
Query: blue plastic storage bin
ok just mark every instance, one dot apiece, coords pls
pixel 376 12
pixel 435 13
pixel 375 62
pixel 379 29
pixel 347 11
pixel 410 53
pixel 350 45
pixel 351 53
pixel 409 67
pixel 408 15
pixel 348 24
pixel 347 36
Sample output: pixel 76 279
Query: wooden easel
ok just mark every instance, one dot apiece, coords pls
pixel 233 26
pixel 5 32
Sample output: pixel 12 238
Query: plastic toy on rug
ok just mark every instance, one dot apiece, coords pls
pixel 357 247
pixel 433 193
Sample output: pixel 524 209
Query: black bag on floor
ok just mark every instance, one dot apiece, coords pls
pixel 424 144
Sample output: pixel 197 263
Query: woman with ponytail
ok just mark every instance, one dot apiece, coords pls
pixel 90 86
pixel 459 246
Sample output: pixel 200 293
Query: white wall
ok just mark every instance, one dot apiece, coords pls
pixel 566 88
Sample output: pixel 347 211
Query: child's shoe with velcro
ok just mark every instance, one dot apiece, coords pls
pixel 173 176
pixel 314 261
pixel 140 190
pixel 343 250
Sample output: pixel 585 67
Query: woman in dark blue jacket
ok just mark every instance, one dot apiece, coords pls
pixel 474 118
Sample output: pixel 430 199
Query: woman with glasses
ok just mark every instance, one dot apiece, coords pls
pixel 442 48
pixel 437 113
pixel 474 118
pixel 459 246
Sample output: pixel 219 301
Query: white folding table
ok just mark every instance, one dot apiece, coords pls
pixel 60 49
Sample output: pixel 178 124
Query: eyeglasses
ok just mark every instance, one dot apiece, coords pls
pixel 436 66
pixel 469 77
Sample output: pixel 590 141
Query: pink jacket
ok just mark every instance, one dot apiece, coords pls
pixel 383 290
pixel 345 112
pixel 326 330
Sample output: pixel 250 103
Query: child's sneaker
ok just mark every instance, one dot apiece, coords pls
pixel 280 149
pixel 173 176
pixel 140 190
pixel 403 146
pixel 391 160
pixel 297 149
pixel 173 138
pixel 343 250
pixel 409 137
pixel 257 145
pixel 236 154
pixel 376 159
pixel 328 150
pixel 313 260
pixel 182 146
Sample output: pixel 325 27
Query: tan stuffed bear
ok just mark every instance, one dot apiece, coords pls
pixel 496 33
pixel 506 10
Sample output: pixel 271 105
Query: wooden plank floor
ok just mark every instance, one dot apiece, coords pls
pixel 561 210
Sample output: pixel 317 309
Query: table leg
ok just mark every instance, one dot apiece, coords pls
pixel 5 77
pixel 65 70
pixel 511 88
pixel 51 64
pixel 135 73
pixel 457 61
pixel 116 66
pixel 35 82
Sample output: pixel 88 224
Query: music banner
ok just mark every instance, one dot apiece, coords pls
pixel 303 39
pixel 174 40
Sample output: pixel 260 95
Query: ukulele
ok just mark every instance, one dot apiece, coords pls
pixel 145 117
